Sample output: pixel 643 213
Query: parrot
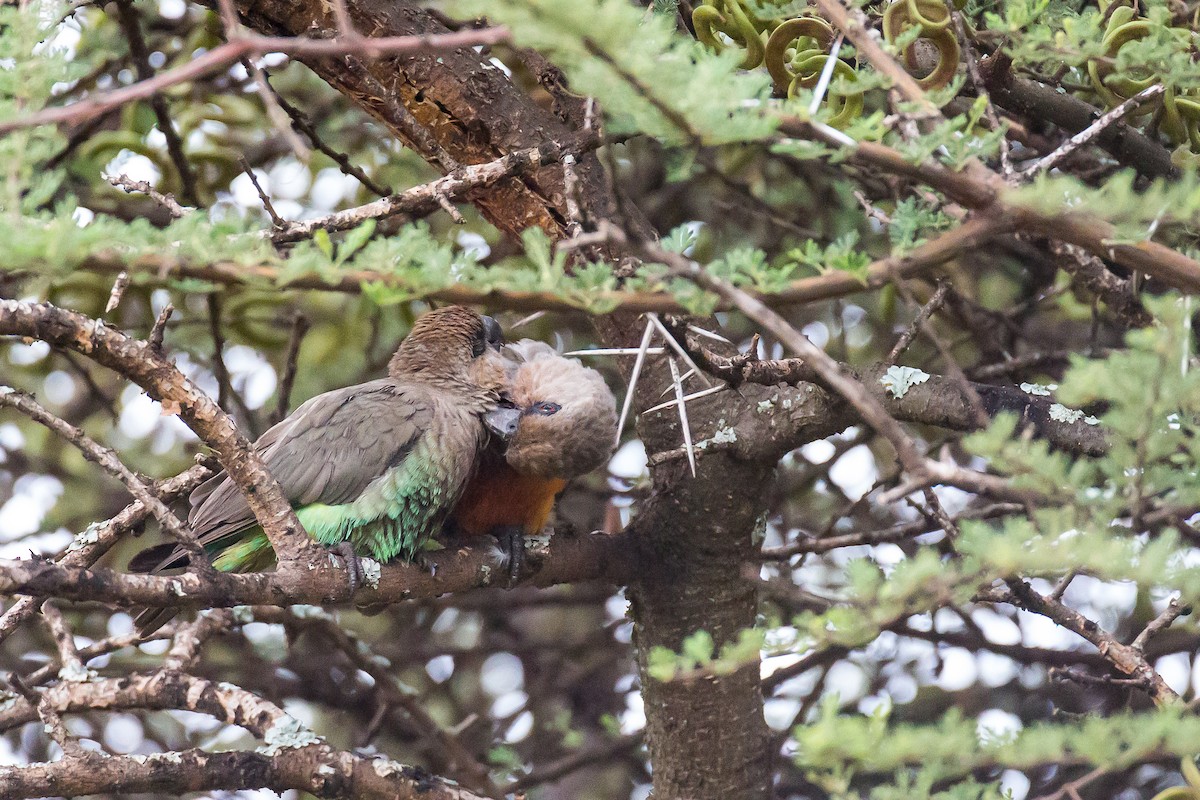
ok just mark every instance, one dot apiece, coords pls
pixel 559 421
pixel 372 469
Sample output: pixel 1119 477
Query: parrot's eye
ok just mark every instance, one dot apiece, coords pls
pixel 546 409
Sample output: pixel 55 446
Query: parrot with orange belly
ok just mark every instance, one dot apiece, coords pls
pixel 561 423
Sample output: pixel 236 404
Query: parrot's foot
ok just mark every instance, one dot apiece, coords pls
pixel 511 539
pixel 426 561
pixel 354 566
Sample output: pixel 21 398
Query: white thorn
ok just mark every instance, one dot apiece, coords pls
pixel 618 351
pixel 696 329
pixel 674 345
pixel 683 417
pixel 687 397
pixel 826 76
pixel 523 322
pixel 683 377
pixel 633 377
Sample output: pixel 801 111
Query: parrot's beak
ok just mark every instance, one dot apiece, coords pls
pixel 503 421
pixel 493 333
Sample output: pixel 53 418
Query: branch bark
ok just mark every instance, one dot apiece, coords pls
pixel 566 560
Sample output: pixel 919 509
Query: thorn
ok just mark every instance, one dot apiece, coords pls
pixel 674 345
pixel 683 418
pixel 682 377
pixel 523 322
pixel 633 376
pixel 696 329
pixel 687 397
pixel 618 351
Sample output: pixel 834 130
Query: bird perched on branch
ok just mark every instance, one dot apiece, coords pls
pixel 560 424
pixel 373 469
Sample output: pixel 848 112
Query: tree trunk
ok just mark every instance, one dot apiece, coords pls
pixel 707 738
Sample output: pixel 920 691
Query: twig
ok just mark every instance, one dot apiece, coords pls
pixel 1127 658
pixel 72 667
pixel 220 371
pixel 132 28
pixel 185 648
pixel 51 720
pixel 1071 789
pixel 167 201
pixel 279 118
pixel 277 221
pixel 927 311
pixel 300 326
pixel 1091 132
pixel 107 460
pixel 969 56
pixel 118 291
pixel 248 44
pixel 575 761
pixel 425 198
pixel 1160 623
pixel 159 328
pixel 302 124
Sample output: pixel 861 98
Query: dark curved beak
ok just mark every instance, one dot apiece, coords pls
pixel 493 333
pixel 503 421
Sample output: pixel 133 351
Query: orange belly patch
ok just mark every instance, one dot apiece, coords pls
pixel 498 496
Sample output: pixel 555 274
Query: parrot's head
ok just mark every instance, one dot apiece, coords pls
pixel 455 348
pixel 566 416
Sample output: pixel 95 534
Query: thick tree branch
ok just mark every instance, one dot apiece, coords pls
pixel 566 559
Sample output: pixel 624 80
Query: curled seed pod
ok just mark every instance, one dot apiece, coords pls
pixel 727 17
pixel 1181 118
pixel 1115 89
pixel 845 107
pixel 794 32
pixel 898 18
pixel 938 17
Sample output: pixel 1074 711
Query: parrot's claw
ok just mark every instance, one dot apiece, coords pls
pixel 426 562
pixel 354 568
pixel 511 539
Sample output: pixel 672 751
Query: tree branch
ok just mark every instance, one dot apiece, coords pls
pixel 294 758
pixel 566 559
pixel 162 381
pixel 231 51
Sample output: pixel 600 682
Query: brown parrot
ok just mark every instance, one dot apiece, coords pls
pixel 560 424
pixel 373 469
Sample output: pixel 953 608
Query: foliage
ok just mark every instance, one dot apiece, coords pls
pixel 886 655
